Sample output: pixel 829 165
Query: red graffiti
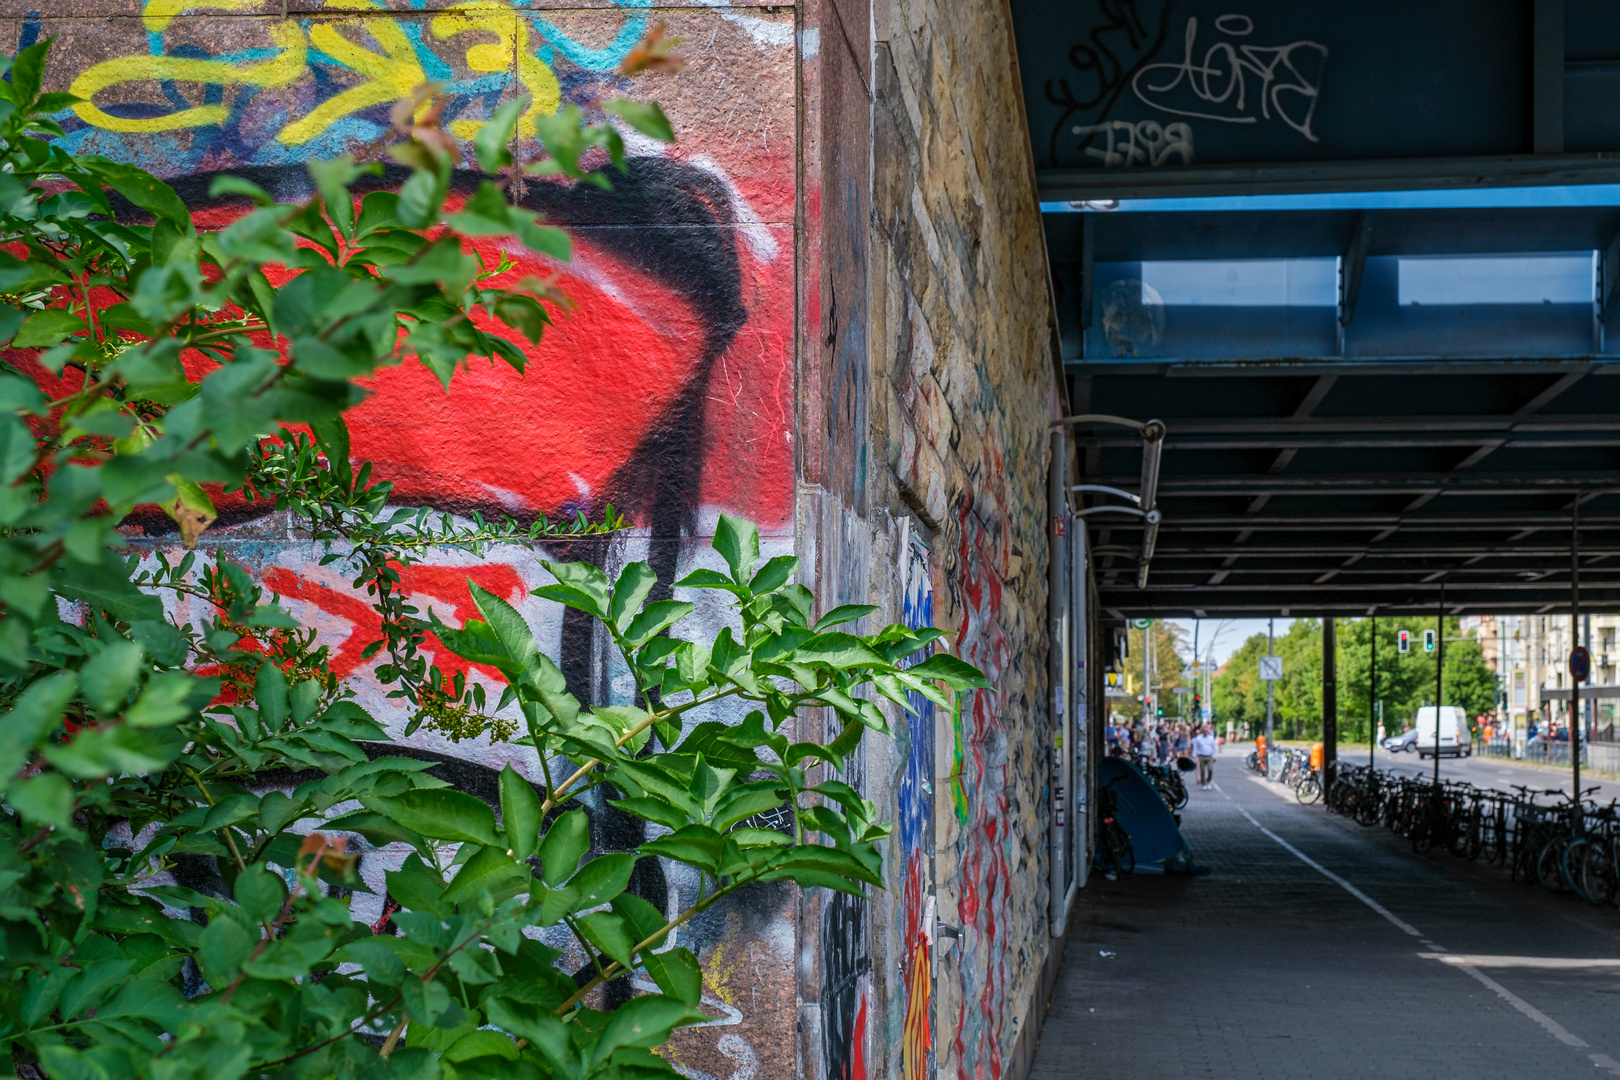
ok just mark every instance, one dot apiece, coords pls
pixel 447 584
pixel 984 878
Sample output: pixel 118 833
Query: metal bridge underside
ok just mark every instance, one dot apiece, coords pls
pixel 1346 483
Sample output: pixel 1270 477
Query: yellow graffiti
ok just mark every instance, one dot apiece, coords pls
pixel 512 43
pixel 914 1036
pixel 160 13
pixel 280 71
pixel 391 74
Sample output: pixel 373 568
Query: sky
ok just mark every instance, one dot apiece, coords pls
pixel 1228 634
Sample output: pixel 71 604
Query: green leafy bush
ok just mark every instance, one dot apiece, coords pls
pixel 176 360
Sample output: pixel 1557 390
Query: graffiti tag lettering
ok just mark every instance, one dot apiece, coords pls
pixel 179 87
pixel 1143 143
pixel 1217 87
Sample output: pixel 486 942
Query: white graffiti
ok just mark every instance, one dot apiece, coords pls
pixel 1218 87
pixel 1143 143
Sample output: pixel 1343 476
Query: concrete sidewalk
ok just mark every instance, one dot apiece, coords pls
pixel 1271 968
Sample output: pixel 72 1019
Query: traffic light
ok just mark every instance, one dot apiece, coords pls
pixel 1161 711
pixel 1404 641
pixel 1428 641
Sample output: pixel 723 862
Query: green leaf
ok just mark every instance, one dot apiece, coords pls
pixel 635 582
pixel 271 691
pixel 654 619
pixel 510 628
pixel 838 650
pixel 418 887
pixel 46 328
pixel 481 1043
pixel 425 1001
pixel 677 973
pixel 955 673
pixel 603 878
pixel 844 613
pixel 110 676
pixel 490 869
pixel 35 715
pixel 657 811
pixel 565 844
pixel 737 541
pixel 708 784
pixel 774 574
pixel 377 828
pixel 332 179
pixel 645 117
pixel 644 1021
pixel 579 585
pixel 226 186
pixel 28 70
pixel 520 813
pixel 492 143
pixel 545 1032
pixel 46 799
pixel 439 813
pixel 170 697
pixel 695 845
pixel 261 892
pixel 610 935
pixel 381 964
pixel 141 188
pixel 224 948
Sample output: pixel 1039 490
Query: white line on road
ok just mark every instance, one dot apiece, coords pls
pixel 1553 963
pixel 1554 1028
pixel 1335 878
pixel 1551 1026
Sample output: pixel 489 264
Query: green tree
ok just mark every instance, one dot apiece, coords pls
pixel 1166 640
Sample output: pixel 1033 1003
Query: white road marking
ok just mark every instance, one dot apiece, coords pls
pixel 1552 963
pixel 1547 1023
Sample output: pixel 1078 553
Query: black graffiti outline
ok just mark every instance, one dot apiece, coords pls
pixel 1121 16
pixel 1236 63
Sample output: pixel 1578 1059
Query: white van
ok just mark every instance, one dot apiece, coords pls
pixel 1454 738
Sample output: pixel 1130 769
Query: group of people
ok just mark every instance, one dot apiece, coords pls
pixel 1164 741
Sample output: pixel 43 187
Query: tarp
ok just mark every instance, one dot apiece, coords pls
pixel 1142 814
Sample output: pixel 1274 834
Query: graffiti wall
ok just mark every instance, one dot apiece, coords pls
pixel 666 390
pixel 824 307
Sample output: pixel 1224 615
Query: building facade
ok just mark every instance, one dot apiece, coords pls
pixel 825 308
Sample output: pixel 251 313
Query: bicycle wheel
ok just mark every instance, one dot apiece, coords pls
pixel 1120 854
pixel 1598 874
pixel 1550 866
pixel 1309 790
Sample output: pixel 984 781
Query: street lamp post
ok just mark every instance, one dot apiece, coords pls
pixel 1372 697
pixel 1439 686
pixel 1271 757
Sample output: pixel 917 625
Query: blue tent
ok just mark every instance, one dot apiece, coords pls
pixel 1142 813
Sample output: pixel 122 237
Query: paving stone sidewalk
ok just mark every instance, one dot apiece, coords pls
pixel 1266 968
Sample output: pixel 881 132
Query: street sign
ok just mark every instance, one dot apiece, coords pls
pixel 1141 624
pixel 1428 641
pixel 1404 640
pixel 1580 664
pixel 1112 677
pixel 1270 668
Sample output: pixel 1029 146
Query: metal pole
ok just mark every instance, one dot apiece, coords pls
pixel 1574 630
pixel 1372 698
pixel 1330 702
pixel 1439 687
pixel 1271 757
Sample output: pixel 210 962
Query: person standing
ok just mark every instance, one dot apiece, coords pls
pixel 1204 749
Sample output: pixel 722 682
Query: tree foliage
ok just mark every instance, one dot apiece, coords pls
pixel 152 364
pixel 1404 681
pixel 1169 670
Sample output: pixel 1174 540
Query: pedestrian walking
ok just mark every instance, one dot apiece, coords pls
pixel 1204 748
